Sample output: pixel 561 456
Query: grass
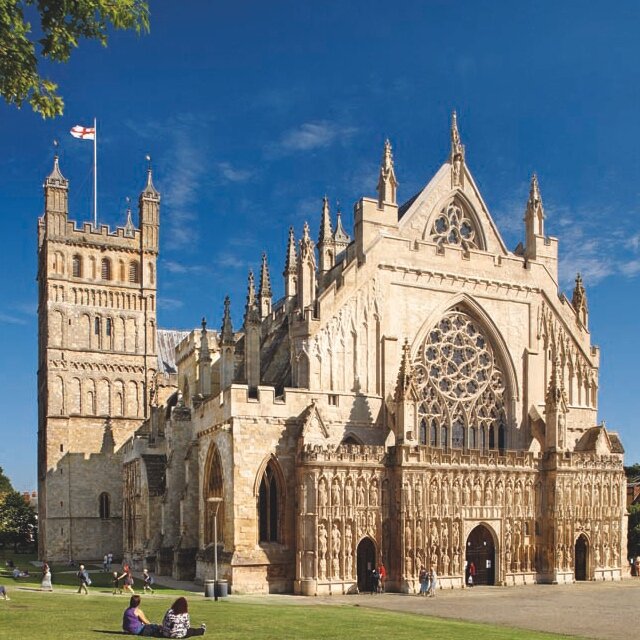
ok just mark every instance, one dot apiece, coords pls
pixel 64 614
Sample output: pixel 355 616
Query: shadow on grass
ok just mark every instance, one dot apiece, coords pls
pixel 111 633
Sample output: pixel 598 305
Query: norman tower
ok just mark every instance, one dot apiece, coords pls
pixel 96 359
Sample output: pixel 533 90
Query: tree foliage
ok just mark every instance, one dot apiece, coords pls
pixel 18 521
pixel 5 483
pixel 63 23
pixel 633 539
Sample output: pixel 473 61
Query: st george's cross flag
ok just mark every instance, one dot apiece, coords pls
pixel 84 133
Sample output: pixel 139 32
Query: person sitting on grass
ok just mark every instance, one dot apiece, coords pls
pixel 177 623
pixel 20 574
pixel 135 622
pixel 3 592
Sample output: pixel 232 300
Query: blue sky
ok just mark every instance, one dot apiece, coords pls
pixel 252 111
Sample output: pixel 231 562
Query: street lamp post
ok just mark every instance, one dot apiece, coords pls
pixel 216 505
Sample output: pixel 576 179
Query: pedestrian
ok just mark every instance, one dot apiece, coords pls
pixel 177 623
pixel 433 579
pixel 83 579
pixel 375 579
pixel 471 580
pixel 128 579
pixel 109 560
pixel 3 592
pixel 116 583
pixel 105 563
pixel 45 584
pixel 136 623
pixel 383 577
pixel 423 578
pixel 148 581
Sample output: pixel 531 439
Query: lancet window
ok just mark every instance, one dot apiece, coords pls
pixel 213 495
pixel 461 386
pixel 268 506
pixel 453 226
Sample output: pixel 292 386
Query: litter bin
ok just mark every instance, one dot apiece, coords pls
pixel 209 586
pixel 222 589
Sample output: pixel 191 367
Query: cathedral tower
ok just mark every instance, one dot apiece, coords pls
pixel 96 359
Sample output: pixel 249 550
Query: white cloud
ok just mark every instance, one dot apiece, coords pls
pixel 233 174
pixel 169 303
pixel 179 267
pixel 7 318
pixel 314 135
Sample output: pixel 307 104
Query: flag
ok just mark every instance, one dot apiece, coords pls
pixel 84 133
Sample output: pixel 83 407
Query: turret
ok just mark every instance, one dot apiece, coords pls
pixel 204 363
pixel 537 247
pixel 265 294
pixel 306 272
pixel 326 255
pixel 291 268
pixel 556 409
pixel 579 302
pixel 373 216
pixel 149 215
pixel 252 336
pixel 341 238
pixel 56 201
pixel 387 183
pixel 227 347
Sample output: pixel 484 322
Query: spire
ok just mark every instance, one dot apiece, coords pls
pixel 55 178
pixel 149 189
pixel 340 236
pixel 387 182
pixel 108 442
pixel 204 342
pixel 251 314
pixel 457 153
pixel 533 219
pixel 405 375
pixel 265 294
pixel 129 229
pixel 556 393
pixel 579 301
pixel 226 333
pixel 556 409
pixel 325 222
pixel 306 282
pixel 290 267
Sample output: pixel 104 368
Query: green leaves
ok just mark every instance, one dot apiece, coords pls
pixel 17 519
pixel 63 23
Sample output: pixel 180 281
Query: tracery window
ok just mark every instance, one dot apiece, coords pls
pixel 461 385
pixel 453 226
pixel 268 507
pixel 213 495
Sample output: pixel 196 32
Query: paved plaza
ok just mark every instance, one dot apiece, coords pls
pixel 604 610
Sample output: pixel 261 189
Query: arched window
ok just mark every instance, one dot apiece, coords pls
pixel 268 506
pixel 105 506
pixel 108 328
pixel 423 431
pixel 76 266
pixel 461 382
pixel 213 495
pixel 134 271
pixel 453 226
pixel 433 433
pixel 152 277
pixel 105 271
pixel 96 326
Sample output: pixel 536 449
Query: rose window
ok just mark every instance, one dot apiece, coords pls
pixel 453 226
pixel 461 386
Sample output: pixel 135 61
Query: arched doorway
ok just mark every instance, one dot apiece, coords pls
pixel 481 551
pixel 366 555
pixel 582 557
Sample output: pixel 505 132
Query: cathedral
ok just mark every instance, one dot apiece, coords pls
pixel 420 396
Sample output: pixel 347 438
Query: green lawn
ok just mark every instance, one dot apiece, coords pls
pixel 63 614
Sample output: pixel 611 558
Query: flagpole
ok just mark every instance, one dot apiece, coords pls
pixel 95 174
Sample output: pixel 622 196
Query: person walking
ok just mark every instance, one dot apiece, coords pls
pixel 45 584
pixel 147 578
pixel 375 579
pixel 423 578
pixel 433 578
pixel 383 577
pixel 3 592
pixel 128 579
pixel 116 583
pixel 471 580
pixel 84 580
pixel 109 561
pixel 105 563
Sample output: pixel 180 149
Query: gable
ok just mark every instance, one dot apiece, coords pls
pixel 449 214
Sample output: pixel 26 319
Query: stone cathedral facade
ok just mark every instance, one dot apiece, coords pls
pixel 420 396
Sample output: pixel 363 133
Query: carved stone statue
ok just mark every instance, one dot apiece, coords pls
pixel 322 540
pixel 336 539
